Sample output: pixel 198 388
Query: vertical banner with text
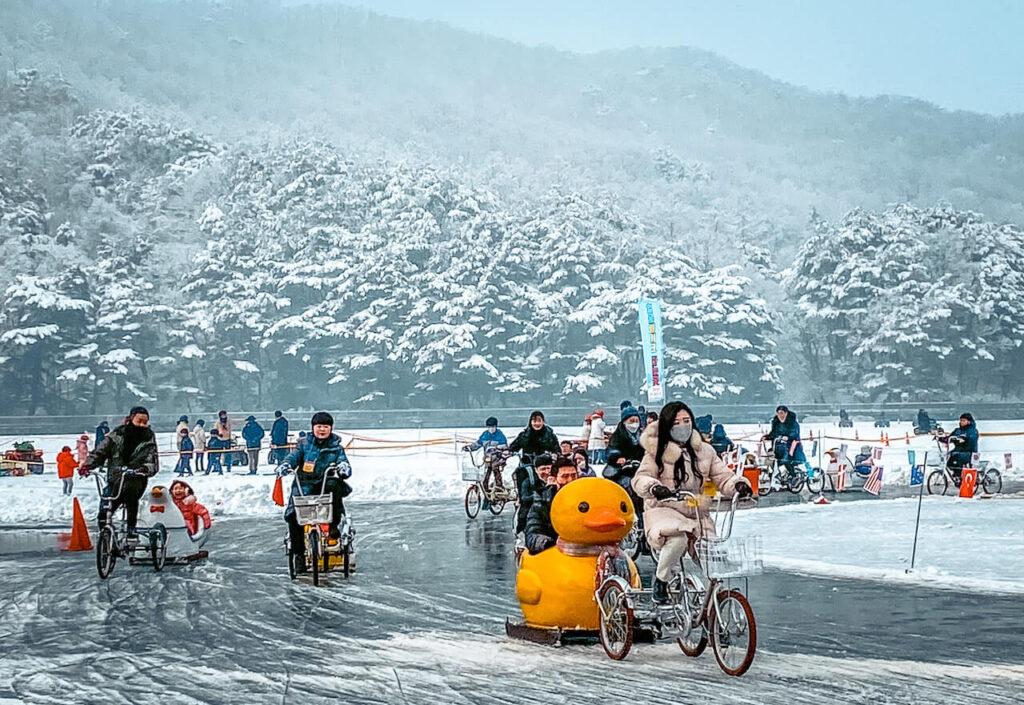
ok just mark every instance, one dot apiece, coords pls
pixel 654 352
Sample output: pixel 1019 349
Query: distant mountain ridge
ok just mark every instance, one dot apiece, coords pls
pixel 521 117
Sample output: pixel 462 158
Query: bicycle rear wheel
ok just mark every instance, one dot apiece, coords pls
pixel 497 506
pixel 106 552
pixel 615 620
pixel 992 481
pixel 474 500
pixel 633 543
pixel 158 546
pixel 733 632
pixel 816 484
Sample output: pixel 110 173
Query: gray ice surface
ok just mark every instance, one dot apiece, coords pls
pixel 422 622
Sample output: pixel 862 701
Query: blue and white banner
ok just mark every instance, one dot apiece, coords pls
pixel 654 356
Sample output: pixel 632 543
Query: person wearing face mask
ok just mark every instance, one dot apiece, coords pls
pixel 131 456
pixel 583 469
pixel 677 459
pixel 624 445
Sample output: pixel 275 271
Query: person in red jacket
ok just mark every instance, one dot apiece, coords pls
pixel 66 465
pixel 185 500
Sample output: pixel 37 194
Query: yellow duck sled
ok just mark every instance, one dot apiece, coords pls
pixel 556 587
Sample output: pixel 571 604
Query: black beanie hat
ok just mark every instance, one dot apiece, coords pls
pixel 322 417
pixel 137 410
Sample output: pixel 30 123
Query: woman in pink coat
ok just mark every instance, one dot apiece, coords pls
pixel 677 459
pixel 82 447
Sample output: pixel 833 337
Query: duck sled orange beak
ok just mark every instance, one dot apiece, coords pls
pixel 604 520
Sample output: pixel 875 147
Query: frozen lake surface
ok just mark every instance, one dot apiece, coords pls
pixel 422 622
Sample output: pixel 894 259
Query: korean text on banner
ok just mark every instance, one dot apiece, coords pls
pixel 654 356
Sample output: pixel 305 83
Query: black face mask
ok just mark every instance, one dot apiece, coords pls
pixel 134 436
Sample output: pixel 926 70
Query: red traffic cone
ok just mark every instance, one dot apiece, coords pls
pixel 908 438
pixel 278 494
pixel 79 531
pixel 821 499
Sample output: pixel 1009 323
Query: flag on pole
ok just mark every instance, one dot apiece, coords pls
pixel 874 483
pixel 911 457
pixel 876 454
pixel 841 467
pixel 916 475
pixel 975 457
pixel 1008 460
pixel 653 348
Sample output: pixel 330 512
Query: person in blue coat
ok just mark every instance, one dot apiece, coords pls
pixel 492 437
pixel 278 438
pixel 102 430
pixel 185 448
pixel 216 445
pixel 314 455
pixel 786 434
pixel 253 434
pixel 964 444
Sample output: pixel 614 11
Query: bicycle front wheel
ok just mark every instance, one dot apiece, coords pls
pixel 938 483
pixel 733 632
pixel 616 620
pixel 106 552
pixel 473 501
pixel 314 554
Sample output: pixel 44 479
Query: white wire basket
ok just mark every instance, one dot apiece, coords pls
pixel 734 557
pixel 471 472
pixel 313 509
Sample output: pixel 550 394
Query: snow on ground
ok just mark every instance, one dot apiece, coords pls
pixel 432 472
pixel 974 545
pixel 868 539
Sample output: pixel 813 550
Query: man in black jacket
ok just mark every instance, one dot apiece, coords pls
pixel 130 454
pixel 540 534
pixel 532 482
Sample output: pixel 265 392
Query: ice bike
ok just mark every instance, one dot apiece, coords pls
pixel 705 600
pixel 314 513
pixel 487 482
pixel 148 545
pixel 989 478
pixel 777 475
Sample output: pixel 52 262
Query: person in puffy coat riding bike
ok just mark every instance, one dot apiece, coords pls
pixel 677 460
pixel 315 455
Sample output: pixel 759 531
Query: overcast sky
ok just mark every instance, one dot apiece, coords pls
pixel 959 54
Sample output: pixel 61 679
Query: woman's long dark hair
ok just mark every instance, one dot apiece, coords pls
pixel 666 420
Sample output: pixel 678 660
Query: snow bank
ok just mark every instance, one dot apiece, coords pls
pixel 974 545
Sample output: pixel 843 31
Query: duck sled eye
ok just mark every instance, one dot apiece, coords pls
pixel 622 506
pixel 584 507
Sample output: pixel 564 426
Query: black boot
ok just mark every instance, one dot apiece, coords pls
pixel 299 563
pixel 660 591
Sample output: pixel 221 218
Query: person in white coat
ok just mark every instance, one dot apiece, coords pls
pixel 199 443
pixel 597 444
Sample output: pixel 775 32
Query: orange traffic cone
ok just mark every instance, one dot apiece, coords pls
pixel 856 436
pixel 887 440
pixel 278 494
pixel 908 438
pixel 79 532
